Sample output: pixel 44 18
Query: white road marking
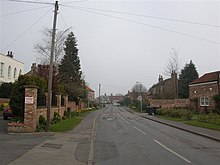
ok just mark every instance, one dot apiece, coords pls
pixel 178 155
pixel 131 124
pixel 92 141
pixel 128 122
pixel 139 130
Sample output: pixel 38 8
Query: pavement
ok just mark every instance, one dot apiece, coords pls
pixel 62 147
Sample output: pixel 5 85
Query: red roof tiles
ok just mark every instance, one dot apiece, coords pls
pixel 208 77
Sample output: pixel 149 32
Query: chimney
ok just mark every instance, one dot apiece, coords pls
pixel 10 54
pixel 173 75
pixel 33 69
pixel 160 79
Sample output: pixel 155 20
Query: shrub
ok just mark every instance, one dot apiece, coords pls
pixel 17 94
pixel 217 103
pixel 42 120
pixel 56 118
pixel 5 90
pixel 175 113
pixel 67 113
pixel 1 107
pixel 42 124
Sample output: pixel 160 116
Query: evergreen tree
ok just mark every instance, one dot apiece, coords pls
pixel 187 75
pixel 5 90
pixel 17 95
pixel 70 70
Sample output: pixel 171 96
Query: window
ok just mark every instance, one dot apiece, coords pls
pixel 204 101
pixel 20 72
pixel 15 73
pixel 9 72
pixel 2 69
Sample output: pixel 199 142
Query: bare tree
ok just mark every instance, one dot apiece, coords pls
pixel 173 64
pixel 139 88
pixel 43 48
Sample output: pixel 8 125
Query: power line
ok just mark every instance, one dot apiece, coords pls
pixel 63 19
pixel 75 1
pixel 144 24
pixel 22 11
pixel 35 2
pixel 27 29
pixel 147 16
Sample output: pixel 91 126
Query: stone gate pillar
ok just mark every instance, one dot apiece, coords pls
pixel 65 97
pixel 30 106
pixel 58 97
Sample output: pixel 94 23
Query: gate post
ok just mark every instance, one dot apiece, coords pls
pixel 30 106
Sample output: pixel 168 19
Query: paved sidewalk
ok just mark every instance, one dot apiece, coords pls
pixel 63 148
pixel 211 134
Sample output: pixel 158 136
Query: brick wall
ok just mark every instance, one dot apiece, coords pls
pixel 169 103
pixel 4 100
pixel 43 112
pixel 207 90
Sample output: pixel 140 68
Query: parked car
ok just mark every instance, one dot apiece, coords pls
pixel 7 113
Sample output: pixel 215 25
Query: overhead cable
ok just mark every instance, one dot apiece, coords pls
pixel 36 2
pixel 26 30
pixel 152 26
pixel 8 14
pixel 147 16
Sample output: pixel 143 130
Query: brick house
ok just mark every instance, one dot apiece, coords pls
pixel 164 89
pixel 91 93
pixel 202 90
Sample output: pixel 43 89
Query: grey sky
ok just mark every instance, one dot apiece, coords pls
pixel 119 49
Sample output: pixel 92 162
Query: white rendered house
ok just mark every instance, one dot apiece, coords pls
pixel 10 68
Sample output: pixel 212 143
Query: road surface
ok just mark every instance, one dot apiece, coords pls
pixel 123 138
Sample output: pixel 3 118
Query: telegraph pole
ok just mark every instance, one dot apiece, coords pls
pixel 50 79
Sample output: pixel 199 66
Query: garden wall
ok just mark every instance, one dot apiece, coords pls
pixel 43 112
pixel 4 100
pixel 169 103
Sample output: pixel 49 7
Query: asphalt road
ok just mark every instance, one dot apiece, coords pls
pixel 13 146
pixel 123 138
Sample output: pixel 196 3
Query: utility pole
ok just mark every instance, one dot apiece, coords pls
pixel 99 93
pixel 50 79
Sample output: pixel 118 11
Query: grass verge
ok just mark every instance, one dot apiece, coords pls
pixel 170 118
pixel 68 124
pixel 193 122
pixel 203 125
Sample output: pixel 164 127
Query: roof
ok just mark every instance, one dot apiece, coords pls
pixel 89 89
pixel 208 77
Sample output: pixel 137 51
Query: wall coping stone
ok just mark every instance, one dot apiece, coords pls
pixel 31 86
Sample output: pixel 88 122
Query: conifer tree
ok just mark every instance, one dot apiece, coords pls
pixel 70 73
pixel 187 75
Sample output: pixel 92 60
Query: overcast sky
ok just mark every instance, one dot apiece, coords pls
pixel 130 44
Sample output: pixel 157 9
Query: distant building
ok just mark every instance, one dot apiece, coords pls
pixel 91 93
pixel 164 89
pixel 118 98
pixel 202 90
pixel 10 68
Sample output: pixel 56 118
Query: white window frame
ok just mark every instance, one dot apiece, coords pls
pixel 15 73
pixel 20 72
pixel 2 69
pixel 9 72
pixel 204 101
